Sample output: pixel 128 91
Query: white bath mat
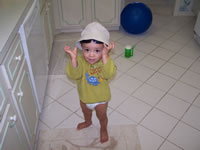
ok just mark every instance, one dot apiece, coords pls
pixel 122 137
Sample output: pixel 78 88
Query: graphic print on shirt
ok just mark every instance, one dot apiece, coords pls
pixel 93 77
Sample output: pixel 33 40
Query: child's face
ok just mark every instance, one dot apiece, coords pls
pixel 92 52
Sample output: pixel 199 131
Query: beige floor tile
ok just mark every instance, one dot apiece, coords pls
pixel 181 60
pixel 71 122
pixel 162 53
pixel 149 94
pixel 70 100
pixel 148 139
pixel 197 101
pixel 172 46
pixel 195 67
pixel 159 122
pixel 140 72
pixel 180 135
pixel 169 104
pixel 161 81
pixel 172 70
pixel 134 109
pixel 145 47
pixel 192 118
pixel 184 91
pixel 169 146
pixel 123 64
pixel 127 84
pixel 190 52
pixel 60 90
pixel 117 97
pixel 127 40
pixel 116 118
pixel 156 40
pixel 191 78
pixel 152 62
pixel 54 114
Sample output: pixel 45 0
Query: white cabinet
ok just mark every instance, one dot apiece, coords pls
pixel 18 85
pixel 47 19
pixel 74 15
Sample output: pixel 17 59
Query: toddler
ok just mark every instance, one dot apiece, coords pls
pixel 92 70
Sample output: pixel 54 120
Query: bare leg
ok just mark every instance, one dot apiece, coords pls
pixel 87 115
pixel 101 112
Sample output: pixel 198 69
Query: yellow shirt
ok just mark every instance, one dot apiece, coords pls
pixel 92 80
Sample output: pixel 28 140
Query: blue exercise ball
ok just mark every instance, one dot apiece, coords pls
pixel 136 18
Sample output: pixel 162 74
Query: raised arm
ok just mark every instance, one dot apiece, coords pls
pixel 73 55
pixel 106 51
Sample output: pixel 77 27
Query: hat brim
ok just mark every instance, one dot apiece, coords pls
pixel 78 44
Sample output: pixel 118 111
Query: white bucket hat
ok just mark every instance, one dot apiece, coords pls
pixel 94 31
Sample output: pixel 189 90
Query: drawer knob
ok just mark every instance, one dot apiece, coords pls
pixel 12 121
pixel 20 94
pixel 18 58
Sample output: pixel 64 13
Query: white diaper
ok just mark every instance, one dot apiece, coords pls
pixel 93 105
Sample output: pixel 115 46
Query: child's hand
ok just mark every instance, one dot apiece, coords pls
pixel 107 49
pixel 73 55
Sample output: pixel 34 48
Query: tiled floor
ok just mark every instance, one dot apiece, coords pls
pixel 158 89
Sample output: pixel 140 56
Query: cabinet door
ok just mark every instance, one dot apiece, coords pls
pixel 72 14
pixel 24 99
pixel 11 132
pixel 106 12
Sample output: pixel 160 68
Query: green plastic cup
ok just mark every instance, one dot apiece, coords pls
pixel 129 51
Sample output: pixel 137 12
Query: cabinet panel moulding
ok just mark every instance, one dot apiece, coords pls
pixel 2 101
pixel 72 16
pixel 102 13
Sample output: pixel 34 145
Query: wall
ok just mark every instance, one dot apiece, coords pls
pixel 160 7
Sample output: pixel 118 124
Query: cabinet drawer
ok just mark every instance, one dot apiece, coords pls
pixel 13 60
pixel 11 132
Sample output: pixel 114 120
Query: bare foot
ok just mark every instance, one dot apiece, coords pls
pixel 83 125
pixel 103 136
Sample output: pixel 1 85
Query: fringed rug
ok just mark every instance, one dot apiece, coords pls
pixel 122 137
